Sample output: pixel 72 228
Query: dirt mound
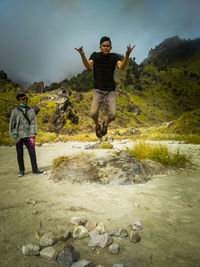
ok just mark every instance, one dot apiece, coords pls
pixel 118 169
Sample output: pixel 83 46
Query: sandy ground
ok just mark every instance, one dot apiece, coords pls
pixel 168 207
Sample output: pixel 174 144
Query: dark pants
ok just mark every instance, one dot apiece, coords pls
pixel 20 154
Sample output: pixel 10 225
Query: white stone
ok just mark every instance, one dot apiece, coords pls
pixel 101 228
pixel 137 226
pixel 80 232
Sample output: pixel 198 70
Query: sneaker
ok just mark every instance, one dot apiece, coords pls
pixel 21 173
pixel 38 172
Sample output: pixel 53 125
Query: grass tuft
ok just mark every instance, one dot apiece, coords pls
pixel 57 161
pixel 192 139
pixel 159 153
pixel 104 145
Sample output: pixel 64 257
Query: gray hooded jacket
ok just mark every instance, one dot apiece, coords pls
pixel 19 126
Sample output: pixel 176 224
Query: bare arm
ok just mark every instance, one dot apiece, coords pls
pixel 122 64
pixel 87 63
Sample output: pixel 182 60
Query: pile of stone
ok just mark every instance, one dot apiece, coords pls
pixel 83 228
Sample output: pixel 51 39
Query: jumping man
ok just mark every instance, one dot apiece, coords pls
pixel 104 64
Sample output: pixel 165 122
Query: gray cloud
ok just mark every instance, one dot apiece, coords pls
pixel 38 36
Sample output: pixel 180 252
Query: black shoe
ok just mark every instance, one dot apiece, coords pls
pixel 38 172
pixel 104 129
pixel 98 131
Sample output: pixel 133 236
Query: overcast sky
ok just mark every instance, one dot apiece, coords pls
pixel 38 37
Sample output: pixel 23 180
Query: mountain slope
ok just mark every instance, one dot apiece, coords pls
pixel 164 88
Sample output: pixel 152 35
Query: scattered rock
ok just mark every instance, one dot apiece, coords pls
pixel 134 237
pixel 30 201
pixel 80 232
pixel 38 235
pixel 118 265
pixel 114 248
pixel 93 233
pixel 82 263
pixel 66 236
pixel 123 233
pixel 119 233
pixel 137 226
pixel 101 228
pixel 49 253
pixel 30 250
pixel 91 225
pixel 100 241
pixel 115 233
pixel 67 256
pixel 47 239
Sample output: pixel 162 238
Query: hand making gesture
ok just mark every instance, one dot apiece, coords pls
pixel 129 50
pixel 80 50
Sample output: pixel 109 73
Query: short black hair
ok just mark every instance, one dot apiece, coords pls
pixel 104 39
pixel 19 95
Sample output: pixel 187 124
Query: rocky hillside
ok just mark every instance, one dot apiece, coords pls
pixel 164 88
pixel 171 50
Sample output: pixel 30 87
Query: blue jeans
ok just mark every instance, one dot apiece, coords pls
pixel 20 154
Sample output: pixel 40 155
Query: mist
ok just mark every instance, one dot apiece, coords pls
pixel 38 37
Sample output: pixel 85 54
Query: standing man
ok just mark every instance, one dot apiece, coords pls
pixel 104 64
pixel 23 129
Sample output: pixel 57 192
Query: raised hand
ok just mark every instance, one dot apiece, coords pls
pixel 129 50
pixel 80 50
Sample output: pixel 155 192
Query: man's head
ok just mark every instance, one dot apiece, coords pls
pixel 22 98
pixel 105 45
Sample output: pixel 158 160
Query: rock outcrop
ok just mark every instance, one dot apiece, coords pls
pixel 114 169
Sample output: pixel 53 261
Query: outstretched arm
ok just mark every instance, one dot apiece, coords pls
pixel 86 63
pixel 122 64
